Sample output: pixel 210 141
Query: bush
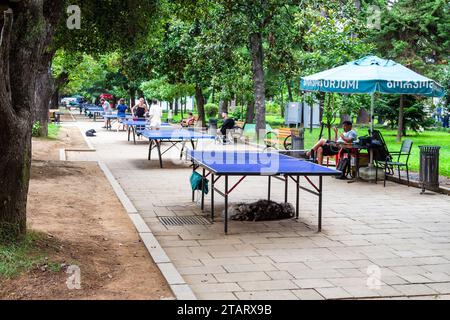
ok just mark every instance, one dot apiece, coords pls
pixel 35 131
pixel 211 110
pixel 273 107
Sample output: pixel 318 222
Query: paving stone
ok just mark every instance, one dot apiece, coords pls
pixel 241 276
pixel 414 289
pixel 442 288
pixel 267 295
pixel 313 283
pixel 267 285
pixel 215 287
pixel 250 267
pixel 307 294
pixel 216 296
pixel 333 293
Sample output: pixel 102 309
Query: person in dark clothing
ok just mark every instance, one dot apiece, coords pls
pixel 228 124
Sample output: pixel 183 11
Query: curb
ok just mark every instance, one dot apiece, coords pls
pixel 179 287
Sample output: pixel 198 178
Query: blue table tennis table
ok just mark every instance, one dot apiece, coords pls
pixel 173 136
pixel 138 126
pixel 225 164
pixel 109 117
pixel 95 111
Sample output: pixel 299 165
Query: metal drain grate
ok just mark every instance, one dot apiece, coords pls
pixel 184 221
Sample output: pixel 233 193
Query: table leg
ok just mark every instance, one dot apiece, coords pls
pixel 150 150
pixel 226 204
pixel 269 188
pixel 297 206
pixel 320 203
pixel 129 132
pixel 158 146
pixel 286 186
pixel 133 128
pixel 212 197
pixel 203 189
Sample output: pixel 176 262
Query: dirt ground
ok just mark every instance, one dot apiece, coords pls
pixel 84 225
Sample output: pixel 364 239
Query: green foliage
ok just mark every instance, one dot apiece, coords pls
pixel 273 107
pixel 211 110
pixel 35 131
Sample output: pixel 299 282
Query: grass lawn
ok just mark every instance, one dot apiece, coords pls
pixel 23 256
pixel 53 131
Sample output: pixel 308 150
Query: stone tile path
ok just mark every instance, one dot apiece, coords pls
pixel 393 234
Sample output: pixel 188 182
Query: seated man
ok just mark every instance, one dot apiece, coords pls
pixel 228 124
pixel 328 148
pixel 189 121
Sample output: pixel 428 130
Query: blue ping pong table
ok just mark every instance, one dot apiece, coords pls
pixel 94 111
pixel 138 126
pixel 173 136
pixel 110 117
pixel 223 165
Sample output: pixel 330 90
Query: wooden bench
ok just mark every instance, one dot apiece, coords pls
pixel 54 116
pixel 281 137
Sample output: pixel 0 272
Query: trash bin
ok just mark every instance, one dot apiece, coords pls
pixel 429 168
pixel 298 144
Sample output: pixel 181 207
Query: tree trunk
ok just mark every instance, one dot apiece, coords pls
pixel 250 112
pixel 21 58
pixel 132 94
pixel 42 96
pixel 259 87
pixel 176 107
pixel 200 102
pixel 400 120
pixel 321 106
pixel 223 106
pixel 363 116
pixel 289 86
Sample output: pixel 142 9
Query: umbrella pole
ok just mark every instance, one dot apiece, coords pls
pixel 372 118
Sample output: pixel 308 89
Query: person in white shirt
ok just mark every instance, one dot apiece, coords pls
pixel 155 114
pixel 107 110
pixel 328 148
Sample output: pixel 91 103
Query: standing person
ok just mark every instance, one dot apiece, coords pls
pixel 106 109
pixel 122 109
pixel 228 124
pixel 155 115
pixel 121 112
pixel 139 111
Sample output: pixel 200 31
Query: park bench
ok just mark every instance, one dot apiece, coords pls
pixel 281 138
pixel 54 116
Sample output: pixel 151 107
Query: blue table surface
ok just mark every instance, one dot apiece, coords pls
pixel 143 123
pixel 257 163
pixel 114 116
pixel 175 134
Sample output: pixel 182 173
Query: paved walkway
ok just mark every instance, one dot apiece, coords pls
pixel 369 232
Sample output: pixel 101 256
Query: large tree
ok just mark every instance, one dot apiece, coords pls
pixel 27 29
pixel 26 47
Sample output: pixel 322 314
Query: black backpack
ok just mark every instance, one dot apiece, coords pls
pixel 344 167
pixel 90 133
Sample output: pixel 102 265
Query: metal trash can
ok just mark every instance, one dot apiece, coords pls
pixel 298 144
pixel 429 168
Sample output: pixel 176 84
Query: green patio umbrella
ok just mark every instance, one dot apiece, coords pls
pixel 369 75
